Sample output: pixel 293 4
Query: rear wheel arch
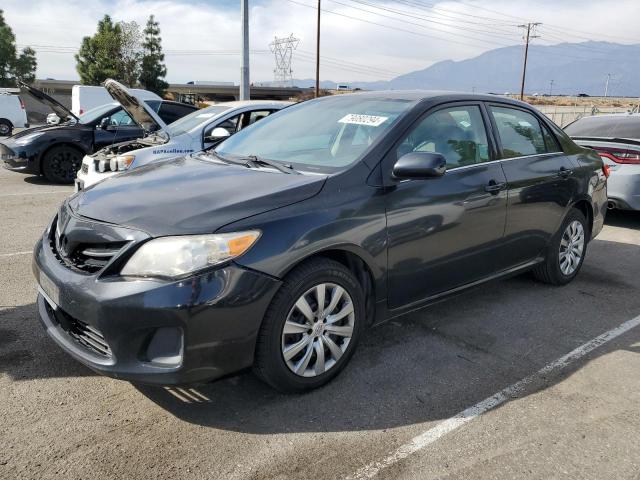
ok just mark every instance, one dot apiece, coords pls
pixel 584 206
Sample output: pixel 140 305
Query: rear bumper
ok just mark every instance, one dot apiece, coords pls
pixel 193 330
pixel 624 187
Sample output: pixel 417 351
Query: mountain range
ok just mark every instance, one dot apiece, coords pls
pixel 573 67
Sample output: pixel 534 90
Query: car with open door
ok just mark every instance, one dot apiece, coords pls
pixel 278 248
pixel 200 130
pixel 56 151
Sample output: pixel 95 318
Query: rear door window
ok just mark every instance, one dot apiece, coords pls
pixel 520 132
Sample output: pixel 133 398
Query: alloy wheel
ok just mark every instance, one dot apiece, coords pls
pixel 65 163
pixel 318 330
pixel 4 129
pixel 571 247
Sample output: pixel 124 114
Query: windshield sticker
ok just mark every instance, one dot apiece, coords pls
pixel 205 115
pixel 359 119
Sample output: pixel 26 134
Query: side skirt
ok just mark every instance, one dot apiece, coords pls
pixel 383 313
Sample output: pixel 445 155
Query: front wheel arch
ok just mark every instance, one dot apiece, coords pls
pixel 43 154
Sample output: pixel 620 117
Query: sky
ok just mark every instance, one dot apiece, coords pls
pixel 362 40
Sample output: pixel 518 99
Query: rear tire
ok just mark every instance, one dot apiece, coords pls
pixel 566 252
pixel 61 164
pixel 323 339
pixel 6 129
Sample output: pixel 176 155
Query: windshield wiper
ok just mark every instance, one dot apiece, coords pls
pixel 254 161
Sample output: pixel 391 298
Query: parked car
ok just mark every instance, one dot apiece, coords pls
pixel 616 138
pixel 56 151
pixel 12 114
pixel 279 247
pixel 192 133
pixel 87 97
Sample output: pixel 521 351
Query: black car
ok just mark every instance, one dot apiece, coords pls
pixel 278 249
pixel 56 151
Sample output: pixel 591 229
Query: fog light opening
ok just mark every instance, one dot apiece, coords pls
pixel 166 347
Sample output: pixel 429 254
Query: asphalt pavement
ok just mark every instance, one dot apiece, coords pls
pixel 546 379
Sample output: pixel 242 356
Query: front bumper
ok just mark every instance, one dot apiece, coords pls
pixel 88 175
pixel 19 159
pixel 215 316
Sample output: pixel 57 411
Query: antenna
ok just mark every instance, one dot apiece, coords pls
pixel 283 49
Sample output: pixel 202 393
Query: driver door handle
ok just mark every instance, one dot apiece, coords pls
pixel 494 187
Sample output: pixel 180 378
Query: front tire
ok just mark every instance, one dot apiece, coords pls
pixel 311 328
pixel 61 164
pixel 566 252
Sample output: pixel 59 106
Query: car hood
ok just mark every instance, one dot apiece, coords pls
pixel 189 195
pixel 137 109
pixel 55 129
pixel 59 109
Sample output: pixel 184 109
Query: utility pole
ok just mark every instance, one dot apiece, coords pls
pixel 550 87
pixel 318 54
pixel 529 35
pixel 244 69
pixel 606 85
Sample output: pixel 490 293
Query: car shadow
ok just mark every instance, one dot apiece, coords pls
pixel 27 352
pixel 422 367
pixel 40 180
pixel 623 218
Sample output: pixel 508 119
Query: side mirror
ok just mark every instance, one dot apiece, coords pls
pixel 419 165
pixel 104 123
pixel 217 134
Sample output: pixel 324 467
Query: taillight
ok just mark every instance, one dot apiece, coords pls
pixel 619 156
pixel 606 169
pixel 81 111
pixel 21 103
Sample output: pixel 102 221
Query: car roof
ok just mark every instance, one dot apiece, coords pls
pixel 435 95
pixel 247 103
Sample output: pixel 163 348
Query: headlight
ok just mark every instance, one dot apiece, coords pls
pixel 115 164
pixel 176 256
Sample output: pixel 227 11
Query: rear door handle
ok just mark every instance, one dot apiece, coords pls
pixel 495 187
pixel 565 172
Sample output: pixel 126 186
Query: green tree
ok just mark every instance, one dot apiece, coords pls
pixel 131 52
pixel 13 66
pixel 153 68
pixel 100 57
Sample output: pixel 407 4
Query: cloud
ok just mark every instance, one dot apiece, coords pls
pixel 356 48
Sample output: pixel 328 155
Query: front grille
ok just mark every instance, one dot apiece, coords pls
pixel 85 168
pixel 83 257
pixel 93 258
pixel 87 336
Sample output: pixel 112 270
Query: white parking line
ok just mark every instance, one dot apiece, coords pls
pixel 15 253
pixel 49 192
pixel 447 426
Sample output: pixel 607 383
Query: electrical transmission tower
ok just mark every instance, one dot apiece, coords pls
pixel 528 36
pixel 283 49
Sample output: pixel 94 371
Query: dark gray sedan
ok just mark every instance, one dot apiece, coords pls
pixel 278 249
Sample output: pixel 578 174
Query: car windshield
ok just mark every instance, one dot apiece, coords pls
pixel 96 113
pixel 322 135
pixel 623 126
pixel 194 119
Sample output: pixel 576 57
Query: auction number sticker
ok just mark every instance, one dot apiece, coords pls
pixel 359 119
